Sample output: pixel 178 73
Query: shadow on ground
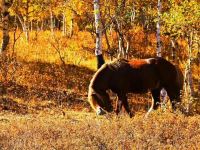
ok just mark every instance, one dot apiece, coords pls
pixel 57 85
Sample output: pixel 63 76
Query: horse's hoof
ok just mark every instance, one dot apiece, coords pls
pixel 130 115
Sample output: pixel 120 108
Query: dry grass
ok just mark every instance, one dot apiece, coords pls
pixel 80 130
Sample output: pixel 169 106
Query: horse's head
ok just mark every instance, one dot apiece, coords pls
pixel 100 103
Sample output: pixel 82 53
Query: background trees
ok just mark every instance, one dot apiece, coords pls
pixel 181 21
pixel 128 26
pixel 121 18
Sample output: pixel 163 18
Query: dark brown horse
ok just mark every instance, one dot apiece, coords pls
pixel 134 76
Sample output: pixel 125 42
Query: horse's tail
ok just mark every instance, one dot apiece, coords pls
pixel 170 75
pixel 166 71
pixel 180 77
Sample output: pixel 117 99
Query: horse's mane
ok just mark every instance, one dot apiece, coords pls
pixel 113 65
pixel 96 76
pixel 117 64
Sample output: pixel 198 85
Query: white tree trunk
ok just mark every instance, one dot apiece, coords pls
pixel 64 24
pixel 98 49
pixel 5 26
pixel 26 30
pixel 189 89
pixel 173 47
pixel 158 31
pixel 121 49
pixel 71 25
pixel 51 21
pixel 163 92
pixel 26 21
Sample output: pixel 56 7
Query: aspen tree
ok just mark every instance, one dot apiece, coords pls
pixel 98 50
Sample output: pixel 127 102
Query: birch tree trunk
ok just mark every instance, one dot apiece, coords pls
pixel 122 52
pixel 107 41
pixel 51 21
pixel 163 92
pixel 158 52
pixel 64 24
pixel 98 49
pixel 71 25
pixel 173 48
pixel 26 21
pixel 5 26
pixel 189 89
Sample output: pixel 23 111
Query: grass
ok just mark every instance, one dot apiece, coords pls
pixel 80 130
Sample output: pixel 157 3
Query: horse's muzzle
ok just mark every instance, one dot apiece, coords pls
pixel 100 111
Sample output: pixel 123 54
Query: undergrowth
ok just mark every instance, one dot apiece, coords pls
pixel 75 130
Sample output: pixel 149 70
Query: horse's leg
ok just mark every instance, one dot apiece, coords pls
pixel 122 100
pixel 174 96
pixel 126 106
pixel 118 106
pixel 156 98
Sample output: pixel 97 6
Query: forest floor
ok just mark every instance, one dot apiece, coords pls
pixel 45 107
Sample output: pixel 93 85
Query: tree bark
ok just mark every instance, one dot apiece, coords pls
pixel 71 25
pixel 26 21
pixel 173 48
pixel 121 45
pixel 98 49
pixel 51 21
pixel 64 24
pixel 163 92
pixel 189 89
pixel 107 42
pixel 158 31
pixel 5 26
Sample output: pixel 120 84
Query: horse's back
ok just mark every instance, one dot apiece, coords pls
pixel 157 69
pixel 132 75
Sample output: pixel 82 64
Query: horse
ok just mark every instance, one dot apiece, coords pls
pixel 134 76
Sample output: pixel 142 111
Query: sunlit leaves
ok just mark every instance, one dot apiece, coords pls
pixel 181 17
